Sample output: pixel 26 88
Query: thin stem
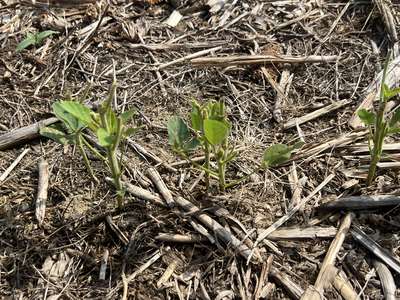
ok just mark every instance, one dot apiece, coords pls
pixel 243 178
pixel 198 166
pixel 94 151
pixel 207 163
pixel 380 128
pixel 85 158
pixel 116 174
pixel 221 175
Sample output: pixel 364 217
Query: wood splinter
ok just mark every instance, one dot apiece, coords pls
pixel 326 276
pixel 103 266
pixel 160 185
pixel 43 185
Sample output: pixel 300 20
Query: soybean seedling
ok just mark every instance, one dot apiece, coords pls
pixel 379 125
pixel 210 129
pixel 109 128
pixel 34 39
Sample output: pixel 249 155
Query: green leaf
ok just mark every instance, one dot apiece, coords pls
pixel 56 133
pixel 130 131
pixel 389 93
pixel 28 41
pixel 216 111
pixel 395 118
pixel 105 139
pixel 367 117
pixel 127 115
pixel 276 155
pixel 197 119
pixel 179 135
pixel 112 121
pixel 72 123
pixel 392 130
pixel 79 111
pixel 44 34
pixel 215 131
pixel 178 132
pixel 191 145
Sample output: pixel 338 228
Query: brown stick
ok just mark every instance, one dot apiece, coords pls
pixel 361 202
pixel 103 266
pixel 282 279
pixel 260 59
pixel 284 84
pixel 343 286
pixel 188 57
pixel 7 171
pixel 222 233
pixel 315 114
pixel 341 140
pixel 180 238
pixel 325 276
pixel 387 281
pixel 140 193
pixel 376 249
pixel 286 217
pixel 160 185
pixel 23 134
pixel 43 185
pixel 58 3
pixel 302 233
pixel 140 149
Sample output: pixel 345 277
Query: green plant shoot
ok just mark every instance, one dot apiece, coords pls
pixel 210 129
pixel 110 129
pixel 34 39
pixel 379 125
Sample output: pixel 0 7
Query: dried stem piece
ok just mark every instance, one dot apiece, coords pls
pixel 43 185
pixel 167 273
pixel 140 193
pixel 180 238
pixel 260 59
pixel 286 217
pixel 282 279
pixel 13 165
pixel 390 23
pixel 140 149
pixel 103 266
pixel 343 286
pixel 156 255
pixel 302 233
pixel 341 140
pixel 221 232
pixel 160 185
pixel 387 281
pixel 23 134
pixel 188 57
pixel 284 84
pixel 315 114
pixel 325 274
pixel 362 202
pixel 375 248
pixel 114 228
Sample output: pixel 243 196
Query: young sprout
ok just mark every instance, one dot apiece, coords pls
pixel 210 130
pixel 111 130
pixel 379 125
pixel 34 39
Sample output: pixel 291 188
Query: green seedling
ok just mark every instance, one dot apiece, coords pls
pixel 210 129
pixel 109 128
pixel 379 125
pixel 34 39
